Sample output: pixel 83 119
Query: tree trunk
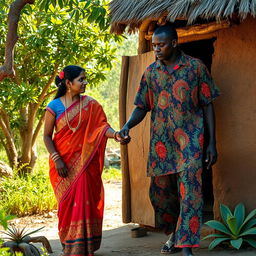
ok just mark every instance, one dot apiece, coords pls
pixel 8 140
pixel 7 70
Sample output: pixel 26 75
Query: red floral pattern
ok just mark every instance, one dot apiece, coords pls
pixel 161 149
pixel 163 101
pixel 201 140
pixel 206 90
pixel 182 191
pixel 180 89
pixel 175 100
pixel 194 224
pixel 181 137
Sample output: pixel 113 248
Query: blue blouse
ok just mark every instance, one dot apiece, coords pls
pixel 56 107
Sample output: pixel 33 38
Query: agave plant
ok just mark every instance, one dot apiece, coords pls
pixel 19 240
pixel 235 228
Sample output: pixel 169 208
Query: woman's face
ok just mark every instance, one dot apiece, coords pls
pixel 78 85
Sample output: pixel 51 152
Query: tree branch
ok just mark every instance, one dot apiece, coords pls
pixel 47 86
pixel 16 7
pixel 9 145
pixel 5 119
pixel 38 127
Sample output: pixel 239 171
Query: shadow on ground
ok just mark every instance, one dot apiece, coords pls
pixel 118 242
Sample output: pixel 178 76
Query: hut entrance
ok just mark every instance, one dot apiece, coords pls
pixel 136 206
pixel 204 50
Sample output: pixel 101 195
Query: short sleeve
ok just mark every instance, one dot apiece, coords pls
pixel 51 108
pixel 208 91
pixel 144 96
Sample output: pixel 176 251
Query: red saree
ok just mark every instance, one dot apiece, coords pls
pixel 80 196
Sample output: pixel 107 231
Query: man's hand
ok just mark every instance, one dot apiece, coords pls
pixel 61 168
pixel 123 141
pixel 124 132
pixel 211 155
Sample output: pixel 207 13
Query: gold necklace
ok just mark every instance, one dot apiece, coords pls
pixel 73 129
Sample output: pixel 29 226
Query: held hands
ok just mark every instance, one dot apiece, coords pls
pixel 123 136
pixel 121 140
pixel 211 155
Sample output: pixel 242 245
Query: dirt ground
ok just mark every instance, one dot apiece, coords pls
pixel 117 240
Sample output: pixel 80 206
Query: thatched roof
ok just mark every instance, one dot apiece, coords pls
pixel 131 13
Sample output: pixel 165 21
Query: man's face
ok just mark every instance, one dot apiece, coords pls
pixel 163 46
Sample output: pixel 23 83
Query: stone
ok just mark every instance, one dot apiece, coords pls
pixel 5 170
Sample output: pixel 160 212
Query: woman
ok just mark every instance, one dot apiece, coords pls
pixel 76 161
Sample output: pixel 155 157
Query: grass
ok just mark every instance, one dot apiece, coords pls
pixel 33 194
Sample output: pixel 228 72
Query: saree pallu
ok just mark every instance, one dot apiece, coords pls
pixel 80 196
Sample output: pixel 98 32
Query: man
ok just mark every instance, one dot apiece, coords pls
pixel 178 90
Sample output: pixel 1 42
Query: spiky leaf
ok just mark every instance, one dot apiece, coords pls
pixel 214 235
pixel 248 225
pixel 251 231
pixel 218 226
pixel 251 242
pixel 237 243
pixel 232 225
pixel 225 212
pixel 239 213
pixel 216 242
pixel 249 217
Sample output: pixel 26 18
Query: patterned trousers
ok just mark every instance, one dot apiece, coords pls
pixel 177 200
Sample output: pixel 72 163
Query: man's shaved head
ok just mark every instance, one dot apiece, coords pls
pixel 168 29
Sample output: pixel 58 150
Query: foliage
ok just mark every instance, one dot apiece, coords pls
pixel 4 218
pixel 235 227
pixel 111 174
pixel 51 36
pixel 108 93
pixel 19 240
pixel 27 195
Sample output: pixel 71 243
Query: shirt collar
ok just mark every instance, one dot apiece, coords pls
pixel 182 62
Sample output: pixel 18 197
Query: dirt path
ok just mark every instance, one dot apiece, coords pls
pixel 117 239
pixel 112 214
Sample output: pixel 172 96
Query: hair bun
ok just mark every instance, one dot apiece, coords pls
pixel 57 81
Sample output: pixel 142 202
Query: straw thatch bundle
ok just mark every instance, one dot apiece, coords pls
pixel 131 13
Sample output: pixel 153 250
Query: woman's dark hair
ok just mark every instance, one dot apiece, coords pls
pixel 69 73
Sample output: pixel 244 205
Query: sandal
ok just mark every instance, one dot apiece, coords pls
pixel 169 248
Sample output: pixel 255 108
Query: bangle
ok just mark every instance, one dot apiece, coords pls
pixel 55 156
pixel 115 138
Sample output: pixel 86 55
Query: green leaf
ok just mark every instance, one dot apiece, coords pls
pixel 249 216
pixel 218 226
pixel 214 235
pixel 239 213
pixel 232 224
pixel 251 231
pixel 60 2
pixel 216 242
pixel 225 212
pixel 250 241
pixel 237 243
pixel 248 225
pixel 77 16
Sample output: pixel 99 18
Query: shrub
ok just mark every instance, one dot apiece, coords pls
pixel 235 227
pixel 27 195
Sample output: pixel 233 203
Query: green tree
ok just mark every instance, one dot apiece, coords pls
pixel 50 37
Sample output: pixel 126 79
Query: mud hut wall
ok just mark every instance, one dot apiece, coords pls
pixel 141 209
pixel 234 71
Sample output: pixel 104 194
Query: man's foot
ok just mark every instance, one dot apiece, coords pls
pixel 168 247
pixel 187 251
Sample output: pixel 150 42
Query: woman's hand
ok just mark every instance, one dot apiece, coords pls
pixel 123 141
pixel 61 168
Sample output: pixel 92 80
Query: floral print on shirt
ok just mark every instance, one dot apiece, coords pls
pixel 175 100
